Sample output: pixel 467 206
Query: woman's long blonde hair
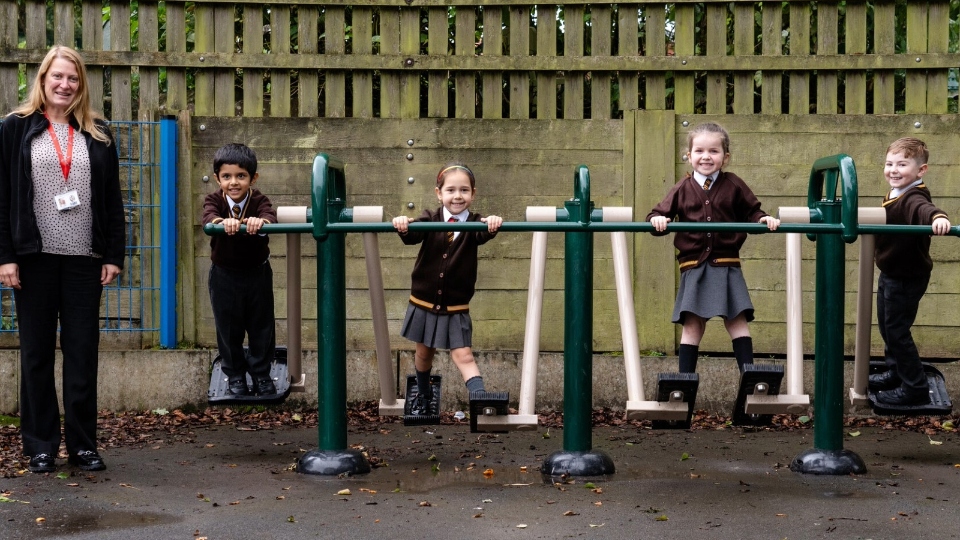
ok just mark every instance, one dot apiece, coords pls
pixel 80 109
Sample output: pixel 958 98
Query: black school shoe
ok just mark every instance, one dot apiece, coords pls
pixel 902 396
pixel 42 463
pixel 237 386
pixel 888 380
pixel 263 386
pixel 87 460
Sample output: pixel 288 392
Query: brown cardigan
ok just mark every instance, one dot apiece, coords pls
pixel 238 251
pixel 728 200
pixel 904 256
pixel 445 275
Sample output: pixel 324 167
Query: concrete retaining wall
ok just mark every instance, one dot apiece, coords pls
pixel 146 380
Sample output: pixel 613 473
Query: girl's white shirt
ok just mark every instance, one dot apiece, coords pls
pixel 461 217
pixel 701 178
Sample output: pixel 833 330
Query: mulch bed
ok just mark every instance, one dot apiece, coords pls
pixel 177 426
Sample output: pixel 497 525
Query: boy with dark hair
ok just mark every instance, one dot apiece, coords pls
pixel 241 280
pixel 905 264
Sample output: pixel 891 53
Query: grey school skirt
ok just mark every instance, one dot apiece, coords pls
pixel 439 331
pixel 712 291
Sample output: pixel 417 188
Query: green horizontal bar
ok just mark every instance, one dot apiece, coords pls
pixel 626 226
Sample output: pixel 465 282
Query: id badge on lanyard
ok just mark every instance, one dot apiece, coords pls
pixel 70 198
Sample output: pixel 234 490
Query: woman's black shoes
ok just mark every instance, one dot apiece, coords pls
pixel 87 460
pixel 42 463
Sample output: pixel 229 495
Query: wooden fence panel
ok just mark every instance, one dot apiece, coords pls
pixel 855 83
pixel 628 23
pixel 437 45
pixel 772 47
pixel 362 25
pixel 308 81
pixel 683 81
pixel 743 43
pixel 280 83
pixel 253 102
pixel 464 45
pixel 600 45
pixel 520 46
pixel 148 37
pixel 176 40
pixel 827 42
pixel 799 44
pixel 492 41
pixel 9 73
pixel 716 82
pixel 573 47
pixel 884 42
pixel 335 82
pixel 546 46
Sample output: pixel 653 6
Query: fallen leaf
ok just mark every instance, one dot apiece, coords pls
pixel 522 526
pixel 684 456
pixel 280 497
pixel 41 519
pixel 781 515
pixel 74 484
pixel 488 473
pixel 424 503
pixel 662 517
pixel 600 525
pixel 344 492
pixel 480 515
pixel 291 520
pixel 571 513
pixel 854 433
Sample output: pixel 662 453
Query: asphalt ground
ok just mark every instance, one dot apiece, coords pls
pixel 716 481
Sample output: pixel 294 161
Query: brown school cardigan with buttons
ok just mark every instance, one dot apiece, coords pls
pixel 445 275
pixel 728 200
pixel 238 251
pixel 902 256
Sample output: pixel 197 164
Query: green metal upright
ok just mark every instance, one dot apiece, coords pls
pixel 828 455
pixel 578 457
pixel 329 201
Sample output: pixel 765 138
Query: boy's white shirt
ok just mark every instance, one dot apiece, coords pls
pixel 896 192
pixel 243 203
pixel 701 178
pixel 461 217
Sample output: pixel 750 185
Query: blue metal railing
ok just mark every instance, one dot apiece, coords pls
pixel 143 298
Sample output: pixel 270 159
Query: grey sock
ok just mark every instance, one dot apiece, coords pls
pixel 475 384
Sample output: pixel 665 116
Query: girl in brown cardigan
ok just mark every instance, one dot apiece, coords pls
pixel 711 282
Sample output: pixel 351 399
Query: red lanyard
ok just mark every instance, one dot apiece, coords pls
pixel 64 163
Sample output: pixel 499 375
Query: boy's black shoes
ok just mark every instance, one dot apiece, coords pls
pixel 263 386
pixel 87 460
pixel 888 380
pixel 903 397
pixel 42 463
pixel 238 387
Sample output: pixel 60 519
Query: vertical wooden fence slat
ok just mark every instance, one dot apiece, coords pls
pixel 437 44
pixel 177 99
pixel 120 92
pixel 335 83
pixel 520 46
pixel 628 22
pixel 799 46
pixel 253 44
pixel 938 41
pixel 390 80
pixel 148 41
pixel 463 43
pixel 92 37
pixel 410 48
pixel 35 30
pixel 855 82
pixel 279 78
pixel 9 73
pixel 573 47
pixel 683 91
pixel 916 82
pixel 492 96
pixel 63 22
pixel 827 43
pixel 362 80
pixel 204 29
pixel 546 46
pixel 743 43
pixel 600 38
pixel 716 23
pixel 308 80
pixel 884 42
pixel 223 79
pixel 771 81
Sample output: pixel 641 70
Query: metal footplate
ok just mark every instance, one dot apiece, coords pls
pixel 412 415
pixel 219 383
pixel 487 404
pixel 756 380
pixel 679 389
pixel 939 400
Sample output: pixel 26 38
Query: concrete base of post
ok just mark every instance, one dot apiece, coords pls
pixel 333 463
pixel 835 462
pixel 593 463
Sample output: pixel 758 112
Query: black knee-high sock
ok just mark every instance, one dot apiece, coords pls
pixel 743 351
pixel 423 382
pixel 688 358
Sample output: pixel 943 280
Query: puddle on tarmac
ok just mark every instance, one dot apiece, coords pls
pixel 62 525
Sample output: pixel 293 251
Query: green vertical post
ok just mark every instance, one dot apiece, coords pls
pixel 828 455
pixel 577 457
pixel 328 201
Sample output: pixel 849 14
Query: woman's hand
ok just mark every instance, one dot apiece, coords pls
pixel 108 272
pixel 10 275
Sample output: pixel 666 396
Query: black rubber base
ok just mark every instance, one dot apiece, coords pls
pixel 752 375
pixel 333 463
pixel 835 462
pixel 939 404
pixel 433 417
pixel 564 463
pixel 482 400
pixel 687 383
pixel 217 394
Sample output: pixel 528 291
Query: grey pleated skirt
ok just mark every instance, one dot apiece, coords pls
pixel 712 291
pixel 450 331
